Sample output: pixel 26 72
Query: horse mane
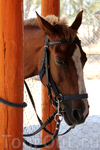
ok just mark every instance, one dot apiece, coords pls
pixel 52 19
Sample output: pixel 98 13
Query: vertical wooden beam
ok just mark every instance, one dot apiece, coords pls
pixel 11 73
pixel 48 7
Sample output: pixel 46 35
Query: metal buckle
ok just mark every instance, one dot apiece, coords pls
pixel 58 109
pixel 58 98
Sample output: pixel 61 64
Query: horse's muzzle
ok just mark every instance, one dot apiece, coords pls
pixel 73 116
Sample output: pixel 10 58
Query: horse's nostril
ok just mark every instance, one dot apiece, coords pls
pixel 77 115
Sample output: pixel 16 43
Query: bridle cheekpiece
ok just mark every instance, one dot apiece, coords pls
pixel 50 82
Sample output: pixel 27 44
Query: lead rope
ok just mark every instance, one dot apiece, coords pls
pixel 13 104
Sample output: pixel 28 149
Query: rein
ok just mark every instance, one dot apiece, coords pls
pixel 43 125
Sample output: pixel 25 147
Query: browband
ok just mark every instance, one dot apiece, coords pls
pixel 63 42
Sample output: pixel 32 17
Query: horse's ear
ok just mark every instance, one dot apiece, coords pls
pixel 46 26
pixel 77 22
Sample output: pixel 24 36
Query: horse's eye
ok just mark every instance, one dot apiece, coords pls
pixel 61 63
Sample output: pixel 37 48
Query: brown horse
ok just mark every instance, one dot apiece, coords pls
pixel 66 61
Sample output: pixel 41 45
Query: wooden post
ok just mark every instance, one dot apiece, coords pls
pixel 11 73
pixel 48 7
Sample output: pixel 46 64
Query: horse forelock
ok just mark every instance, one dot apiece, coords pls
pixel 67 32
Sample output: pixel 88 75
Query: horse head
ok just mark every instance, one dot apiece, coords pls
pixel 66 63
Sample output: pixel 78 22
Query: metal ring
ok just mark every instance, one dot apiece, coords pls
pixel 60 117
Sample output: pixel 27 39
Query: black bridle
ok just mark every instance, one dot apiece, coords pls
pixel 58 96
pixel 57 99
pixel 50 82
